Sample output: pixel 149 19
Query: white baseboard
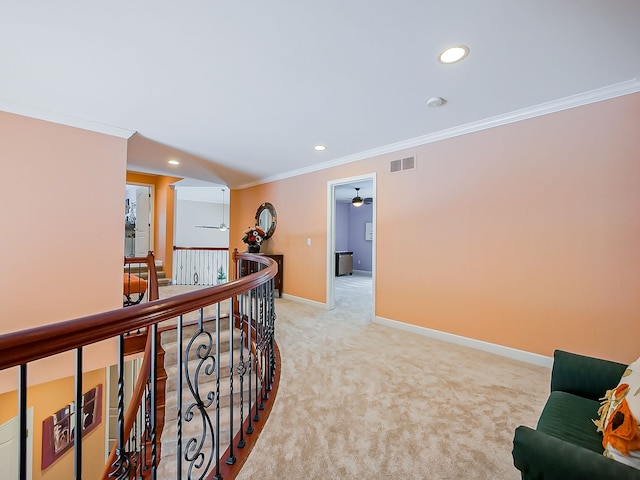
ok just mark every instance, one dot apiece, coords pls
pixel 305 300
pixel 364 273
pixel 508 352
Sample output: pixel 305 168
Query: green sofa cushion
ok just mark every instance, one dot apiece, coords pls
pixel 568 417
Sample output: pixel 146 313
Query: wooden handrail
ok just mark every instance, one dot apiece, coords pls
pixel 21 348
pixel 40 342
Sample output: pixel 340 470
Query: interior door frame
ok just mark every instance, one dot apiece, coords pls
pixel 12 425
pixel 331 237
pixel 152 211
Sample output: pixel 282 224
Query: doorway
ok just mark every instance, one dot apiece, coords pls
pixel 138 220
pixel 9 444
pixel 339 196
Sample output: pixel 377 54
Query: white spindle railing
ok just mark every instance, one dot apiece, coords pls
pixel 200 265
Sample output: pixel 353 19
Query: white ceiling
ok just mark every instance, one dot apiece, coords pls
pixel 242 91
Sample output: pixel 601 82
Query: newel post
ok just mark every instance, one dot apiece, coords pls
pixel 234 259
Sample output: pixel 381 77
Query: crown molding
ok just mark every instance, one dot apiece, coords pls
pixel 598 95
pixel 69 121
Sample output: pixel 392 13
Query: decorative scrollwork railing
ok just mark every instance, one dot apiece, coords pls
pixel 223 368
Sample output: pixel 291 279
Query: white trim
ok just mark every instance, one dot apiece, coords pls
pixel 364 273
pixel 598 95
pixel 12 425
pixel 306 301
pixel 494 348
pixel 67 120
pixel 331 236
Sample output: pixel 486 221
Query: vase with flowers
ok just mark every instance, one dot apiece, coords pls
pixel 253 237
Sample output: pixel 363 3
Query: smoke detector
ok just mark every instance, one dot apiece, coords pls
pixel 435 102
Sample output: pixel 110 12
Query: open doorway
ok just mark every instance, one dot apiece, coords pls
pixel 138 220
pixel 351 234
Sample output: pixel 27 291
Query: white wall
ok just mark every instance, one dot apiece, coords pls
pixel 190 213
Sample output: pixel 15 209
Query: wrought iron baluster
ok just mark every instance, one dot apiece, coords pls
pixel 77 434
pixel 256 416
pixel 22 421
pixel 145 427
pixel 247 325
pixel 122 464
pixel 195 453
pixel 241 368
pixel 154 399
pixel 231 459
pixel 134 447
pixel 263 364
pixel 179 346
pixel 216 436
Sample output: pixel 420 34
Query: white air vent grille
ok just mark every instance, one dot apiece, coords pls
pixel 408 163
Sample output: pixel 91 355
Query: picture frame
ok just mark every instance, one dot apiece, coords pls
pixel 58 429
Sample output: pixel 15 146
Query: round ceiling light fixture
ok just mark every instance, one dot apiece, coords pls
pixel 453 54
pixel 320 148
pixel 173 162
pixel 434 102
pixel 357 201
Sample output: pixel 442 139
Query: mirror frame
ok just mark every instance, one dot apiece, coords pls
pixel 274 218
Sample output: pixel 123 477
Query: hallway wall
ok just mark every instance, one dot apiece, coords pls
pixel 524 235
pixel 62 198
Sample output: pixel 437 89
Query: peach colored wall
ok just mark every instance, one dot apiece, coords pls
pixel 48 398
pixel 62 237
pixel 163 216
pixel 525 235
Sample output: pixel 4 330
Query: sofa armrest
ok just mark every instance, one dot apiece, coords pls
pixel 584 376
pixel 540 456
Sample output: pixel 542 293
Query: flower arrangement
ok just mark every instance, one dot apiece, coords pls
pixel 253 237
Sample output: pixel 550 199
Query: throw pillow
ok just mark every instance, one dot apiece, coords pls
pixel 620 418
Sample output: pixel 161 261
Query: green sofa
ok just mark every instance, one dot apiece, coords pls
pixel 565 444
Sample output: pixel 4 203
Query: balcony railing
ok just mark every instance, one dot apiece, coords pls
pixel 200 265
pixel 215 345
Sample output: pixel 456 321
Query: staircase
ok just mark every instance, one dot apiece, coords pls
pixel 192 431
pixel 141 270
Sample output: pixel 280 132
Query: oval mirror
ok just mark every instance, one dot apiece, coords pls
pixel 266 217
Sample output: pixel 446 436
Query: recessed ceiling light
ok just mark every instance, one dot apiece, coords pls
pixel 319 148
pixel 453 54
pixel 173 162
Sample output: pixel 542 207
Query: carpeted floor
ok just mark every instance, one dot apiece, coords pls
pixel 361 400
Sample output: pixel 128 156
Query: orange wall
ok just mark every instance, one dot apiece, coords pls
pixel 163 215
pixel 62 235
pixel 48 398
pixel 525 235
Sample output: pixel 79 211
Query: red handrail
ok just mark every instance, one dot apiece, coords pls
pixel 40 342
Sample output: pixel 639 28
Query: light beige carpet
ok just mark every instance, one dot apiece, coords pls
pixel 361 400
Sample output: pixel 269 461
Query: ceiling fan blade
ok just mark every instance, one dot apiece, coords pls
pixel 222 227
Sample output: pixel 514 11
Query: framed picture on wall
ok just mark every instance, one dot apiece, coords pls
pixel 58 429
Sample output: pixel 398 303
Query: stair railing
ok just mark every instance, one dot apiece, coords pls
pixel 251 313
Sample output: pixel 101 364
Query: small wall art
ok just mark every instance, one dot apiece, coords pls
pixel 58 429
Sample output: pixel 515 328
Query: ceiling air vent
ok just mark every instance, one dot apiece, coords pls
pixel 408 163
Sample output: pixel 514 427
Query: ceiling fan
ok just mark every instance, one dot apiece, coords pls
pixel 223 226
pixel 358 201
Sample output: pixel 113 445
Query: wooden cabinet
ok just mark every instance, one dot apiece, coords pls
pixel 278 280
